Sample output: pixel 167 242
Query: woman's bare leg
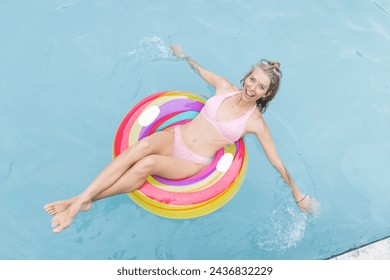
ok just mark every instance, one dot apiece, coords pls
pixel 131 180
pixel 158 143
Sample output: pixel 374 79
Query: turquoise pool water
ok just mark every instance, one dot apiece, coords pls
pixel 70 70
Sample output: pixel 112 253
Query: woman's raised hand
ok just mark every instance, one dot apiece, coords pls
pixel 177 51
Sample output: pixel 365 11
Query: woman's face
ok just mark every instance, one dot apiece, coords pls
pixel 256 85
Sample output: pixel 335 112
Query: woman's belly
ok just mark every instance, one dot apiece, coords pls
pixel 201 137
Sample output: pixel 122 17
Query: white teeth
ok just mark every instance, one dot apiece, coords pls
pixel 249 93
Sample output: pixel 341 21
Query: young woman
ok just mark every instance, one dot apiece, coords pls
pixel 184 150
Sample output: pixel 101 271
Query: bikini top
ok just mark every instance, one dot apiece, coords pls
pixel 231 130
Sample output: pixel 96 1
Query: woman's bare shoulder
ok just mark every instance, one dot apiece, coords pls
pixel 224 86
pixel 256 123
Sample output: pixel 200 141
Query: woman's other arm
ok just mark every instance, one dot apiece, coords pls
pixel 216 81
pixel 304 202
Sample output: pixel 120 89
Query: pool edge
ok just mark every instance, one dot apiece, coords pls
pixel 376 250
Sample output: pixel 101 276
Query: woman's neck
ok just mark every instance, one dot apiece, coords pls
pixel 241 103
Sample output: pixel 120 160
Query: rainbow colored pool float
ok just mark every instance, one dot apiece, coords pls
pixel 191 197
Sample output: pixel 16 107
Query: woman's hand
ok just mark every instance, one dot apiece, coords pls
pixel 177 51
pixel 307 203
pixel 303 202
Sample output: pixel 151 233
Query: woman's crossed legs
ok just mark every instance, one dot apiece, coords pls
pixel 126 173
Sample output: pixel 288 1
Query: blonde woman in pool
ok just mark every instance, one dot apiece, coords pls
pixel 184 150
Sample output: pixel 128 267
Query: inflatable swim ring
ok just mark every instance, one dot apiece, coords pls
pixel 191 197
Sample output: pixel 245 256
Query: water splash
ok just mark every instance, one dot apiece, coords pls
pixel 285 230
pixel 151 49
pixel 136 64
pixel 286 225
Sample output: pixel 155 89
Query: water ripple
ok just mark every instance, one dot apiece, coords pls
pixel 381 8
pixel 68 5
pixel 9 171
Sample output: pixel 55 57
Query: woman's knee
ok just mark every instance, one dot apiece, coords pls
pixel 142 148
pixel 146 166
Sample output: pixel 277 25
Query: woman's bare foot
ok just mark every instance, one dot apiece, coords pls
pixel 61 205
pixel 63 219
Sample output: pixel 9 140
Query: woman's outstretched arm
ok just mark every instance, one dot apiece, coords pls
pixel 304 202
pixel 216 81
